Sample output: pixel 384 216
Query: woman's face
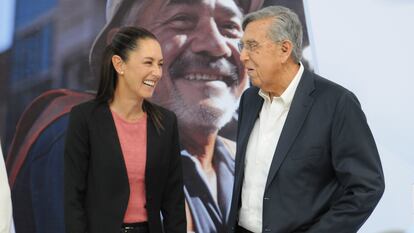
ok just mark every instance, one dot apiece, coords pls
pixel 139 74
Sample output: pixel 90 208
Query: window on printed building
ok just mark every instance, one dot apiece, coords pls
pixel 32 55
pixel 26 11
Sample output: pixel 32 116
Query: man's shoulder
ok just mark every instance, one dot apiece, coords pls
pixel 250 94
pixel 252 91
pixel 327 88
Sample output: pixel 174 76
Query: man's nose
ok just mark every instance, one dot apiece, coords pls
pixel 208 39
pixel 243 55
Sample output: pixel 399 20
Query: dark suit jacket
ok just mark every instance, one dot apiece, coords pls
pixel 326 175
pixel 96 181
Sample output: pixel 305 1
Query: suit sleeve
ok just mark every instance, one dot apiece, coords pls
pixel 238 139
pixel 240 114
pixel 357 166
pixel 235 200
pixel 172 207
pixel 76 161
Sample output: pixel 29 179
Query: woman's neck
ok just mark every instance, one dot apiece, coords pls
pixel 129 108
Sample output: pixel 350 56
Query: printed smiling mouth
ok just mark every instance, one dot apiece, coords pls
pixel 201 68
pixel 203 77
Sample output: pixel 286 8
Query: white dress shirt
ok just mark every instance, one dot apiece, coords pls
pixel 259 153
pixel 5 199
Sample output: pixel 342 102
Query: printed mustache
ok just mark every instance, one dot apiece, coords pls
pixel 196 67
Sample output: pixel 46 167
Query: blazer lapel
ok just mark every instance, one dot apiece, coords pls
pixel 153 147
pixel 110 137
pixel 301 104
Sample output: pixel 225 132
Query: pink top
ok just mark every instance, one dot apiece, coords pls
pixel 133 139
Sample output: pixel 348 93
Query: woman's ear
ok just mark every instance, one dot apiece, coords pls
pixel 118 64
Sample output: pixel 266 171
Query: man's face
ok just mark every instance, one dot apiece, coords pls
pixel 203 76
pixel 262 57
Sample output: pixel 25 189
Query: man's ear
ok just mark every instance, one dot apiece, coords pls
pixel 286 48
pixel 118 64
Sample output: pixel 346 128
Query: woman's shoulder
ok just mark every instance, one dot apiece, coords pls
pixel 86 107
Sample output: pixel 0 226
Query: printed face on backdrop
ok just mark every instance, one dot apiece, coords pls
pixel 203 77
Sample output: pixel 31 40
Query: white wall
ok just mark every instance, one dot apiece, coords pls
pixel 368 47
pixel 6 23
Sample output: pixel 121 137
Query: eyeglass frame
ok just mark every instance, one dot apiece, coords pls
pixel 252 48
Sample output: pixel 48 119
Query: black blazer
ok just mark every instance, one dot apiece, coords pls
pixel 96 181
pixel 326 175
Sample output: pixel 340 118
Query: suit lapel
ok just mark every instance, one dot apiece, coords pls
pixel 301 104
pixel 251 112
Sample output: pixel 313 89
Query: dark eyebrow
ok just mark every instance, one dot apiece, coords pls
pixel 152 59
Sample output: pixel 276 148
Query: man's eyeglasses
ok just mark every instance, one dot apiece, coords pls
pixel 240 45
pixel 251 46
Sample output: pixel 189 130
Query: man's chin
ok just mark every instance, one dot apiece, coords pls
pixel 194 113
pixel 204 117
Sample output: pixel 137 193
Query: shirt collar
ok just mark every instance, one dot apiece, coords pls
pixel 287 95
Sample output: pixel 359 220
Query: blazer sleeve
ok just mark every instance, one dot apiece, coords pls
pixel 172 206
pixel 357 166
pixel 76 161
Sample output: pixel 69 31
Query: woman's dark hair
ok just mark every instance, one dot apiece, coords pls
pixel 124 41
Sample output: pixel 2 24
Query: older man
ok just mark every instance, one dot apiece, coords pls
pixel 306 160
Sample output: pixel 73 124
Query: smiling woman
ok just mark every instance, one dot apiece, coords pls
pixel 118 160
pixel 131 67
